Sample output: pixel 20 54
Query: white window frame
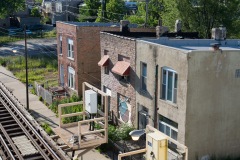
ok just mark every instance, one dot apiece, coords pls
pixel 71 78
pixel 174 85
pixel 143 76
pixel 70 53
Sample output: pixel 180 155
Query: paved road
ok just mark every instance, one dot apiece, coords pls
pixel 46 46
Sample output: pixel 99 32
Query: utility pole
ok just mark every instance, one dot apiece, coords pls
pixel 103 9
pixel 146 18
pixel 26 67
pixel 67 10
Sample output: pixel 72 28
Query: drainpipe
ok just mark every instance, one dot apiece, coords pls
pixel 156 97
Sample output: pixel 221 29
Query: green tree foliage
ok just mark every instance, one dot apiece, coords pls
pixel 157 9
pixel 89 12
pixel 10 6
pixel 115 10
pixel 203 15
pixel 35 12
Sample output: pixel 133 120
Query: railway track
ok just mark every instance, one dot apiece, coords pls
pixel 19 138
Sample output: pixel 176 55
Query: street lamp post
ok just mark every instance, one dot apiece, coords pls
pixel 26 66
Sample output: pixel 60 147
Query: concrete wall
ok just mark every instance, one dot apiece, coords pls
pixel 154 55
pixel 213 106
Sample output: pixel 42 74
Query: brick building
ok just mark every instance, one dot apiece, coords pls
pixel 118 52
pixel 79 52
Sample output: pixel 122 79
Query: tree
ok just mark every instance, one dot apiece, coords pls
pixel 35 12
pixel 157 9
pixel 89 12
pixel 8 7
pixel 115 10
pixel 203 15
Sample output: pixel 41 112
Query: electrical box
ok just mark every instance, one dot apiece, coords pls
pixel 157 146
pixel 91 101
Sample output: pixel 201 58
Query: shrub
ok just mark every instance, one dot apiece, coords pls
pixel 40 98
pixel 47 128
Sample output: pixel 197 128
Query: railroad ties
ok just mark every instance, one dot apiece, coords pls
pixel 19 139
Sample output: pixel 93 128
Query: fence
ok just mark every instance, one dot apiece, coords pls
pixel 42 92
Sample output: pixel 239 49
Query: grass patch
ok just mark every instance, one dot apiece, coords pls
pixel 4 38
pixel 47 128
pixel 39 68
pixel 7 39
pixel 67 110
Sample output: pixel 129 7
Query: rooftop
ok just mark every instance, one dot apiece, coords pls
pixel 132 34
pixel 195 44
pixel 96 24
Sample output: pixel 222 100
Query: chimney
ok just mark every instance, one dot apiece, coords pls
pixel 160 30
pixel 178 26
pixel 124 26
pixel 219 33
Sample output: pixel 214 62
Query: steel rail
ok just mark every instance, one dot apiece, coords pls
pixel 9 105
pixel 11 143
pixel 6 147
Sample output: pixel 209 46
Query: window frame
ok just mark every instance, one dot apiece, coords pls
pixel 70 51
pixel 172 129
pixel 143 76
pixel 71 74
pixel 165 85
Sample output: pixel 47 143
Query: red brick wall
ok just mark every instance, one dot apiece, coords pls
pixel 115 46
pixel 86 53
pixel 66 31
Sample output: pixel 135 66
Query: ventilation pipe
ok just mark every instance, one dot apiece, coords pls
pixel 178 26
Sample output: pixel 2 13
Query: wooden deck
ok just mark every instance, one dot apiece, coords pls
pixel 88 140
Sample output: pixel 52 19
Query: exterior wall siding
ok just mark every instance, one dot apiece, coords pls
pixel 212 124
pixel 157 55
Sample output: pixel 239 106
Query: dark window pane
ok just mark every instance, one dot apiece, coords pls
pixel 164 80
pixel 163 91
pixel 144 69
pixel 170 87
pixel 161 127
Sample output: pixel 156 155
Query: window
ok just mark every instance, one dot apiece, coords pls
pixel 70 49
pixel 143 76
pixel 60 49
pixel 169 84
pixel 106 70
pixel 124 79
pixel 71 78
pixel 169 127
pixel 237 73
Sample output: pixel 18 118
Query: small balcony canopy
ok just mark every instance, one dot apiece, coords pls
pixel 104 61
pixel 121 68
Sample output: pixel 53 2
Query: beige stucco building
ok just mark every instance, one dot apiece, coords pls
pixel 190 91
